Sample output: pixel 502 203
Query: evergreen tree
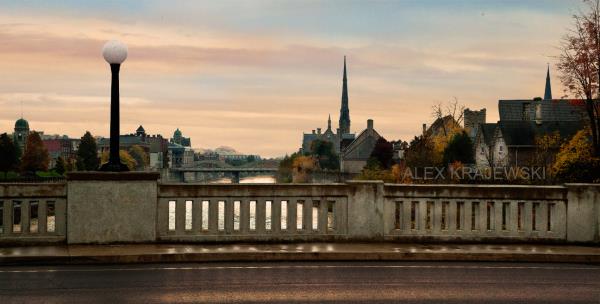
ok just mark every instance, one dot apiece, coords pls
pixel 325 154
pixel 60 166
pixel 383 152
pixel 87 154
pixel 9 154
pixel 36 156
pixel 459 149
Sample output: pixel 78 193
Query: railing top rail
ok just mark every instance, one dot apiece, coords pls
pixel 265 190
pixel 482 192
pixel 33 190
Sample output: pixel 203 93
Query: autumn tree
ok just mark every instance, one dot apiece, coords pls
pixel 141 157
pixel 285 168
pixel 36 157
pixel 420 153
pixel 126 159
pixel 575 162
pixel 579 65
pixel 9 154
pixel 303 168
pixel 87 154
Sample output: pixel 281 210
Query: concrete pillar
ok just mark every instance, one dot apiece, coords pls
pixel 113 207
pixel 583 212
pixel 365 210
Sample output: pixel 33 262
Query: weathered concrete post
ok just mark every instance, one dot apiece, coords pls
pixel 365 208
pixel 583 212
pixel 111 207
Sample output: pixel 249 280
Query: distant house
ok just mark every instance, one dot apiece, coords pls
pixel 512 143
pixel 357 153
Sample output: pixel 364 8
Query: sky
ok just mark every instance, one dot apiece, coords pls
pixel 255 75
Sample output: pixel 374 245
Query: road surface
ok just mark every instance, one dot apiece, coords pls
pixel 303 282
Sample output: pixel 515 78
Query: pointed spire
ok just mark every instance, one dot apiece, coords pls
pixel 548 90
pixel 344 122
pixel 329 122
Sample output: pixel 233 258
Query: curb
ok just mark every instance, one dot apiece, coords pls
pixel 272 256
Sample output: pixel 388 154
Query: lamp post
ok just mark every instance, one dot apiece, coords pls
pixel 114 52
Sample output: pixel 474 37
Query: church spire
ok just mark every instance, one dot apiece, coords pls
pixel 548 90
pixel 329 122
pixel 345 111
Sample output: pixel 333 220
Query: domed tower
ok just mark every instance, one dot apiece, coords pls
pixel 177 137
pixel 21 133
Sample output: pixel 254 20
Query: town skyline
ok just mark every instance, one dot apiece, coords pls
pixel 236 89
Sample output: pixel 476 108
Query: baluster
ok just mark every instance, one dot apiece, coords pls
pixel 7 219
pixel 527 219
pixel 42 218
pixel 196 215
pixel 244 216
pixel 260 215
pixel 213 215
pixel 229 215
pixel 60 217
pixel 276 216
pixel 307 226
pixel 323 213
pixel 451 217
pixel 436 216
pixel 513 219
pixel 291 220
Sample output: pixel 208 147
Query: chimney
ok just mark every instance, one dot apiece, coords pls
pixel 424 129
pixel 538 113
pixel 313 131
pixel 370 124
pixel 318 130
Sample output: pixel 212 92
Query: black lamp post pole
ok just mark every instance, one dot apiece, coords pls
pixel 114 159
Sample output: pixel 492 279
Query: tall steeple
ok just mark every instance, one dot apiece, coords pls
pixel 329 122
pixel 548 90
pixel 345 111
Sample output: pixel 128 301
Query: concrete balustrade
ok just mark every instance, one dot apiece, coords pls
pixel 134 207
pixel 32 213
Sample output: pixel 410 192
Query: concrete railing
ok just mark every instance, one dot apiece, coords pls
pixel 134 207
pixel 33 213
pixel 251 212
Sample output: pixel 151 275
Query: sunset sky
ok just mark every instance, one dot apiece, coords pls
pixel 254 75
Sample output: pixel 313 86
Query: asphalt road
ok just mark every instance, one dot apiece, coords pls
pixel 348 282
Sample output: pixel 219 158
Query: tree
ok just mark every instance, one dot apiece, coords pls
pixel 36 156
pixel 420 153
pixel 9 154
pixel 383 152
pixel 575 162
pixel 459 149
pixel 126 158
pixel 60 166
pixel 285 168
pixel 303 167
pixel 141 157
pixel 579 65
pixel 87 154
pixel 325 154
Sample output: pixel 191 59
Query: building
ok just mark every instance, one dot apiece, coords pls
pixel 342 136
pixel 155 146
pixel 21 133
pixel 180 156
pixel 61 146
pixel 472 120
pixel 357 153
pixel 180 140
pixel 511 141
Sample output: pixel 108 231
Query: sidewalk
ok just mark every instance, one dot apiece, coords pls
pixel 165 253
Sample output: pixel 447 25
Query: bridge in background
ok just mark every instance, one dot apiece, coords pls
pixel 186 175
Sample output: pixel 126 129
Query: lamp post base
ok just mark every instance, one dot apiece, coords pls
pixel 114 167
